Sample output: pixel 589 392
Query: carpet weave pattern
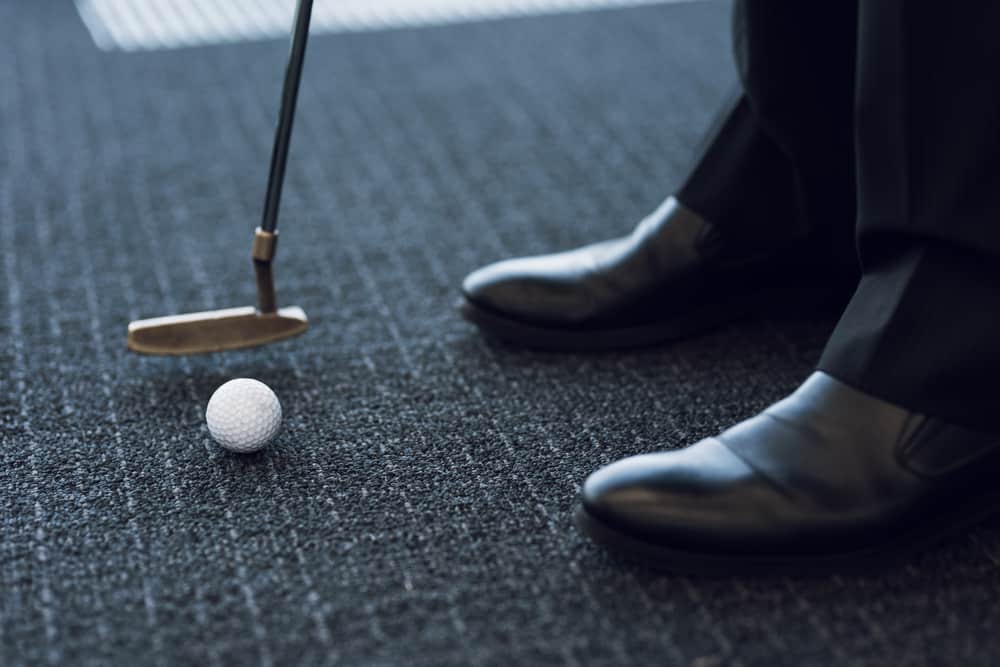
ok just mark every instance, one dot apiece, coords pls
pixel 417 506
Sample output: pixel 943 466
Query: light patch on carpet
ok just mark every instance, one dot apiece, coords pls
pixel 135 25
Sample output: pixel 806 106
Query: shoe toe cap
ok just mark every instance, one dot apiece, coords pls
pixel 697 494
pixel 528 288
pixel 484 285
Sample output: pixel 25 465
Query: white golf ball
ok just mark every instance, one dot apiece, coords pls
pixel 243 415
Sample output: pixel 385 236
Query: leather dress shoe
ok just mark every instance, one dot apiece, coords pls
pixel 675 275
pixel 829 478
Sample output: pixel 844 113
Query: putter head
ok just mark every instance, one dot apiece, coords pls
pixel 214 330
pixel 227 329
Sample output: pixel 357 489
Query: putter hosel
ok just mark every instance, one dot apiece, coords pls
pixel 265 244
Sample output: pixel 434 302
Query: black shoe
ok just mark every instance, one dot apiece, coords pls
pixel 830 478
pixel 674 276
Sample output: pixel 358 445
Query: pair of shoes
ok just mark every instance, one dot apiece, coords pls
pixel 830 478
pixel 675 275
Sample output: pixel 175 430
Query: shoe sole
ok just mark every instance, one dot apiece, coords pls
pixel 676 561
pixel 540 337
pixel 714 315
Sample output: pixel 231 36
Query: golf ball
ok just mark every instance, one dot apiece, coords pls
pixel 243 415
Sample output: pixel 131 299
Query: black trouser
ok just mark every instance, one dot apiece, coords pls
pixel 876 126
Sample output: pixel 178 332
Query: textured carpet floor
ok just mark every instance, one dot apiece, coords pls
pixel 417 508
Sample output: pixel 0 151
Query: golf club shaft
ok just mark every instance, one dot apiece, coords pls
pixel 283 134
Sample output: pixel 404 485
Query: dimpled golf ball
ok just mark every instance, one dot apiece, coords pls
pixel 243 415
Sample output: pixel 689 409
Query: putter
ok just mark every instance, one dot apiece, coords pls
pixel 232 328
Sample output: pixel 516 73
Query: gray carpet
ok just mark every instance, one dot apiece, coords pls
pixel 417 507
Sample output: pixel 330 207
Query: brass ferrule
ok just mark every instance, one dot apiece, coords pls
pixel 265 244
